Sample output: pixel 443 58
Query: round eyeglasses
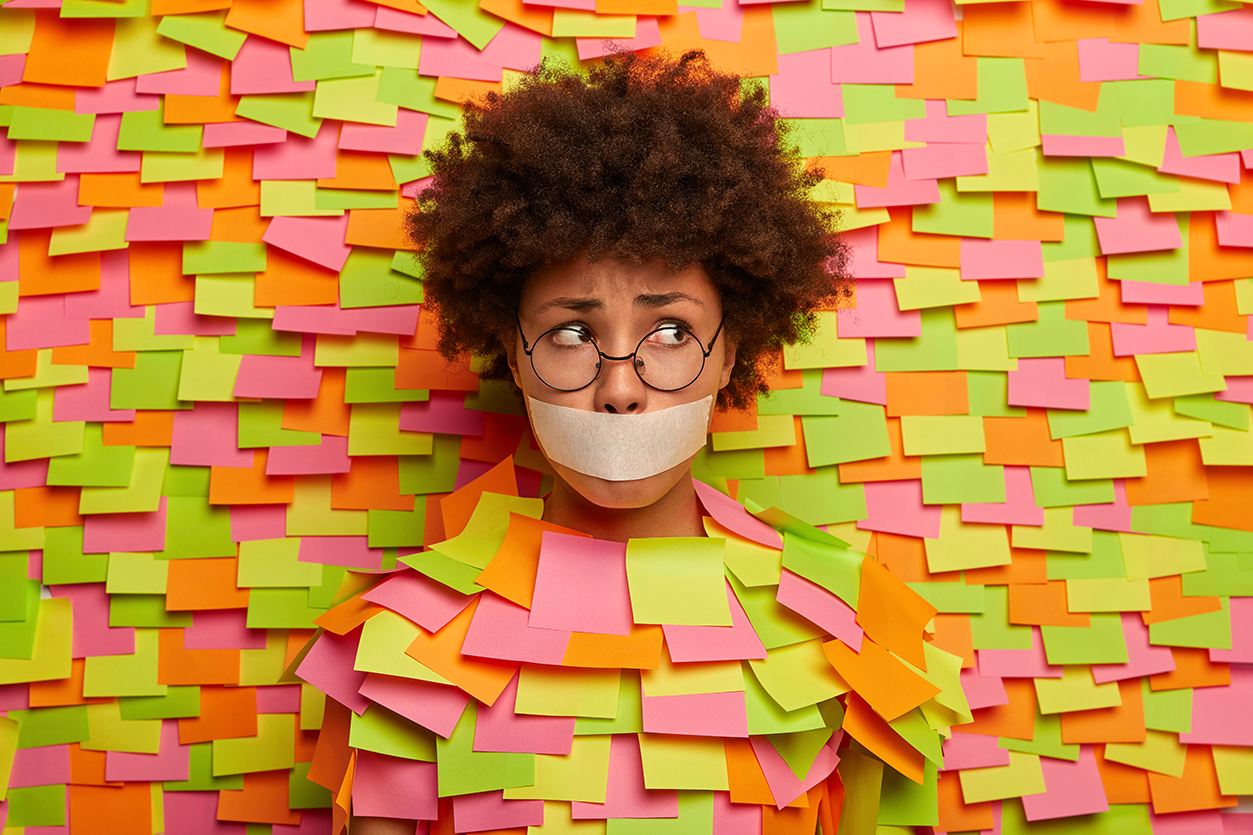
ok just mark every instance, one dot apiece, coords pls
pixel 668 358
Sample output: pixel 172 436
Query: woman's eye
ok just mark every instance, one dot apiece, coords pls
pixel 570 337
pixel 669 335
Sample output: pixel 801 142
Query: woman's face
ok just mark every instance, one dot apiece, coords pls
pixel 617 303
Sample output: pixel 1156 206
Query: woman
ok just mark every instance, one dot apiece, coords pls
pixel 629 248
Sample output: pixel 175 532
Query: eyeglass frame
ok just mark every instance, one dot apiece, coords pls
pixel 705 352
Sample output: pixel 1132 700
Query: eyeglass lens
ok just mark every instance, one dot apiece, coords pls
pixel 667 359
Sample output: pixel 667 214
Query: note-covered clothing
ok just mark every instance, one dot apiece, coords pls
pixel 522 675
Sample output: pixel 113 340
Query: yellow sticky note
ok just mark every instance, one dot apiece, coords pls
pixel 54 644
pixel 771 431
pixel 374 429
pixel 141 335
pixel 41 437
pixel 310 512
pixel 692 678
pixel 384 639
pixel 1147 556
pixel 752 563
pixel 1160 752
pixel 568 691
pixel 1021 777
pixel 826 349
pixel 13 538
pixel 104 231
pixel 677 580
pixel 570 23
pixel 354 99
pixel 961 545
pixel 206 374
pixel 1235 769
pixel 1177 374
pixel 984 349
pixel 557 821
pixel 942 434
pixel 1015 131
pixel 270 750
pixel 1075 690
pixel 229 294
pixel 1145 144
pixel 1072 278
pixel 798 675
pixel 1103 455
pixel 581 775
pixel 1107 594
pixel 275 563
pixel 933 287
pixel 142 495
pixel 379 48
pixel 108 731
pixel 1193 196
pixel 259 667
pixel 136 574
pixel 170 167
pixel 1156 420
pixel 683 762
pixel 1058 533
pixel 365 350
pixel 48 374
pixel 8 747
pixel 1229 447
pixel 125 675
pixel 1223 352
pixel 1007 171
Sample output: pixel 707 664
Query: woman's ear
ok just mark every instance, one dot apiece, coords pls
pixel 510 344
pixel 728 363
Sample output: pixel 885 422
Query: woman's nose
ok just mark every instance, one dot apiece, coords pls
pixel 619 390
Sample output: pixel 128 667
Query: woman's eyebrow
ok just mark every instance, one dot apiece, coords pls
pixel 654 300
pixel 577 304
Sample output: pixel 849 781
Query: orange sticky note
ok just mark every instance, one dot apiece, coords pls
pixel 149 428
pixel 788 460
pixel 1108 306
pixel 955 814
pixel 118 191
pixel 868 169
pixel 200 110
pixel 326 413
pixel 511 573
pixel 111 810
pixel 998 305
pixel 289 280
pixel 225 713
pixel 42 274
pixel 50 96
pixel 891 613
pixel 1192 669
pixel 235 187
pixel 1228 502
pixel 1166 594
pixel 894 467
pixel 373 481
pixel 46 507
pixel 236 485
pixel 1015 719
pixel 638 650
pixel 64 692
pixel 1043 604
pixel 242 224
pixel 501 437
pixel 1001 30
pixel 1016 218
pixel 1023 441
pixel 98 352
pixel 1054 76
pixel 1174 473
pixel 418 369
pixel 204 584
pixel 278 20
pixel 746 780
pixel 180 666
pixel 1197 789
pixel 1218 313
pixel 1101 364
pixel 264 799
pixel 886 684
pixel 51 60
pixel 1121 723
pixel 481 678
pixel 383 228
pixel 927 393
pixel 361 170
pixel 941 71
pixel 157 273
pixel 535 18
pixel 868 728
pixel 348 615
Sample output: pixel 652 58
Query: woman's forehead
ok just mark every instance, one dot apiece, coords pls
pixel 617 281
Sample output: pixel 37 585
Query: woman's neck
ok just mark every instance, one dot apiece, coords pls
pixel 677 513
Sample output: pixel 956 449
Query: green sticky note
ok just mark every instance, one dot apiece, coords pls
pixel 368 280
pixel 405 529
pixel 36 806
pixel 462 770
pixel 346 198
pixel 807 400
pixel 177 703
pixel 1068 184
pixel 775 624
pixel 738 464
pixel 50 125
pixel 223 257
pixel 820 499
pixel 141 335
pixel 125 675
pixel 411 91
pixel 1120 178
pixel 146 130
pixel 935 349
pixel 1002 86
pixel 1167 710
pixel 374 429
pixel 200 778
pixel 290 111
pixel 378 385
pixel 261 425
pixel 960 479
pixel 1101 642
pixel 274 563
pixel 186 481
pixel 798 675
pixel 65 562
pixel 136 574
pixel 629 718
pixel 815 137
pixel 902 802
pixel 15 603
pixel 952 597
pixel 206 374
pixel 172 167
pixel 878 103
pixel 1074 121
pixel 825 437
pixel 765 716
pixel 1208 630
pixel 270 750
pixel 472 23
pixel 677 580
pixel 281 609
pixel 50 726
pixel 96 466
pixel 253 336
pixel 957 213
pixel 194 529
pixel 1167 267
pixel 228 295
pixel 924 287
pixel 684 762
pixel 42 437
pixel 1224 575
pixel 17 637
pixel 1211 136
pixel 696 808
pixel 353 99
pixel 434 473
pixel 987 392
pixel 328 55
pixel 206 31
pixel 375 47
pixel 836 569
pixel 1051 335
pixel 385 732
pixel 17 405
pixel 799 27
pixel 1108 409
pixel 799 748
pixel 303 793
pixel 1186 63
pixel 991 629
pixel 1176 375
pixel 144 610
pixel 151 384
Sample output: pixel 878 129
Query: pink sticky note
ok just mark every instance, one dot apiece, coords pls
pixel 896 507
pixel 264 66
pixel 581 586
pixel 8 154
pixel 422 600
pixel 1157 336
pixel 398 319
pixel 316 239
pixel 329 456
pixel 47 765
pixel 40 322
pixel 1241 651
pixel 899 191
pixel 1042 382
pixel 258 521
pixel 92 634
pixel 1191 294
pixel 1100 60
pixel 11 69
pixel 784 786
pixel 299 158
pixel 326 15
pixel 15 697
pixel 1225 168
pixel 860 383
pixel 1239 389
pixel 290 378
pixel 820 607
pixel 404 138
pixel 243 132
pixel 445 412
pixel 207 436
pixel 278 698
pixel 40 205
pixel 114 97
pixel 801 90
pixel 181 319
pixel 626 796
pixel 499 630
pixel 428 25
pixel 922 21
pixel 715 643
pixel 877 314
pixel 499 728
pixel 195 813
pixel 581 5
pixel 702 714
pixel 1017 663
pixel 32 473
pixel 316 822
pixel 938 126
pixel 989 259
pixel 328 666
pixel 457 57
pixel 647 36
pixel 1201 822
pixel 436 707
pixel 112 299
pixel 201 77
pixel 179 218
pixel 1019 507
pixel 866 63
pixel 171 762
pixel 100 154
pixel 1071 788
pixel 1109 516
pixel 317 318
pixel 90 400
pixel 982 691
pixel 1143 659
pixel 1061 145
pixel 104 533
pixel 1234 229
pixel 725 24
pixel 732 515
pixel 393 787
pixel 222 629
pixel 348 551
pixel 1225 30
pixel 972 751
pixel 482 811
pixel 940 160
pixel 735 818
pixel 1220 715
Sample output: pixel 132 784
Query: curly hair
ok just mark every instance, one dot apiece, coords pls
pixel 640 158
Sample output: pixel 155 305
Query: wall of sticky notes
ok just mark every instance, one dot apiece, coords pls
pixel 221 401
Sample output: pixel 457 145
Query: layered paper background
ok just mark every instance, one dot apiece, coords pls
pixel 221 393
